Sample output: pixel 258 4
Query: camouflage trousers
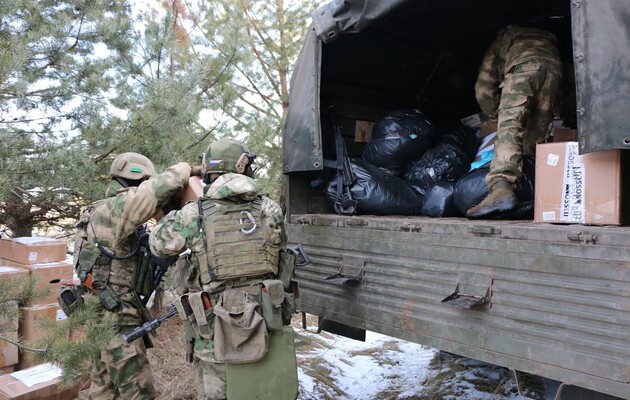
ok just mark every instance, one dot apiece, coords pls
pixel 209 377
pixel 123 370
pixel 528 94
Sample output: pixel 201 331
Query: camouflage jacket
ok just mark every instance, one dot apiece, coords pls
pixel 513 46
pixel 114 221
pixel 179 230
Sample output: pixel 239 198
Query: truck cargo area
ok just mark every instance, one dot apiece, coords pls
pixel 547 299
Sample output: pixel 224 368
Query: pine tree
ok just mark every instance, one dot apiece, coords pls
pixel 60 344
pixel 265 43
pixel 53 83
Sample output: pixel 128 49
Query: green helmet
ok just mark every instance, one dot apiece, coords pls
pixel 132 166
pixel 227 155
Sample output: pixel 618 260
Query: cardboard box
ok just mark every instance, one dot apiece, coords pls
pixel 487 128
pixel 475 120
pixel 9 329
pixel 37 383
pixel 363 131
pixel 30 327
pixel 193 191
pixel 9 351
pixel 7 370
pixel 579 189
pixel 8 272
pixel 562 134
pixel 33 250
pixel 49 275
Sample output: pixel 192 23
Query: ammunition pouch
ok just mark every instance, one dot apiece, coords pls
pixel 286 266
pixel 196 310
pixel 288 308
pixel 180 275
pixel 91 261
pixel 271 304
pixel 240 333
pixel 142 282
pixel 70 299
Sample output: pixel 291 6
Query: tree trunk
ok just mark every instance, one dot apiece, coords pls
pixel 17 216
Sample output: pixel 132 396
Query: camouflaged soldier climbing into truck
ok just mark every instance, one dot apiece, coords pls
pixel 111 263
pixel 518 85
pixel 234 287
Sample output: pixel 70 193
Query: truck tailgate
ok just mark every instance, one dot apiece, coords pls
pixel 554 299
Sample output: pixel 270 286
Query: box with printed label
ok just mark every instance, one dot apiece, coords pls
pixel 36 383
pixel 580 189
pixel 49 276
pixel 33 250
pixel 30 329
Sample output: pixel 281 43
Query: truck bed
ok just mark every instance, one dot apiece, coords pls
pixel 552 300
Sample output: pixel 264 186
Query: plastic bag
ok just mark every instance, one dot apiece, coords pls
pixel 443 163
pixel 471 188
pixel 463 137
pixel 438 202
pixel 378 192
pixel 397 139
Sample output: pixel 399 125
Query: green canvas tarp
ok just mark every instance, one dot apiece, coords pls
pixel 601 55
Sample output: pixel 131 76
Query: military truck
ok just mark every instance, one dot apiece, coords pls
pixel 546 299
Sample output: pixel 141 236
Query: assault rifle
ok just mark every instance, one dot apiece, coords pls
pixel 149 326
pixel 344 203
pixel 160 266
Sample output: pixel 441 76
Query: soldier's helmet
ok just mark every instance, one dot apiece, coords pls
pixel 131 166
pixel 227 155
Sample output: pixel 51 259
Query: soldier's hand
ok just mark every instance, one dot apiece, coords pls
pixel 196 171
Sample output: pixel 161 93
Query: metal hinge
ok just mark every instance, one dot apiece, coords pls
pixel 411 228
pixel 581 237
pixel 484 230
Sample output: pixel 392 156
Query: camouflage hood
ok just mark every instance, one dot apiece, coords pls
pixel 233 186
pixel 113 188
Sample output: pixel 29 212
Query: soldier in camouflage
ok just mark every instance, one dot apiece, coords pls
pixel 518 84
pixel 228 182
pixel 110 228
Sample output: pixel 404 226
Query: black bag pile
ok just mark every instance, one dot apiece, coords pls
pixel 377 192
pixel 397 139
pixel 471 189
pixel 439 201
pixel 448 161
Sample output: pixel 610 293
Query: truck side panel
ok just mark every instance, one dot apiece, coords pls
pixel 559 296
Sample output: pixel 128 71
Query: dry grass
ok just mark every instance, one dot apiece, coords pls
pixel 172 375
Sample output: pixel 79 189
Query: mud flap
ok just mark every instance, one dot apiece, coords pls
pixel 272 378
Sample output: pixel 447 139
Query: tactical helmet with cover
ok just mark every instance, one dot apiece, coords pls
pixel 131 166
pixel 227 155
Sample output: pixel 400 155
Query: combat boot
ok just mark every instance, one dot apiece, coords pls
pixel 500 199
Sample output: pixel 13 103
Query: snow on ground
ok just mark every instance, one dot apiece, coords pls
pixel 385 368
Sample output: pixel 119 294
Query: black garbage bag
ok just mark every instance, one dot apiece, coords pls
pixel 471 188
pixel 438 202
pixel 397 139
pixel 377 192
pixel 442 163
pixel 463 137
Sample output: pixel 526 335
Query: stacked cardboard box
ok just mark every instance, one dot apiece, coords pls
pixel 32 250
pixel 39 382
pixel 580 189
pixel 30 329
pixel 9 351
pixel 43 257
